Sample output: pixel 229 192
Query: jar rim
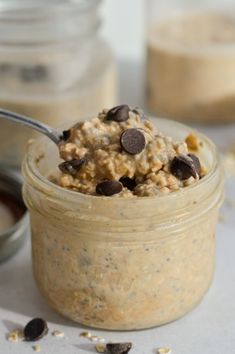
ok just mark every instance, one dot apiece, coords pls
pixel 30 161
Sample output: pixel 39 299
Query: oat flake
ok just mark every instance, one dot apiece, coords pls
pixel 100 348
pixel 58 334
pixel 85 334
pixel 37 348
pixel 192 142
pixel 164 351
pixel 15 336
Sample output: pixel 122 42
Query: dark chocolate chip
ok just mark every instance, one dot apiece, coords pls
pixel 127 182
pixel 72 166
pixel 183 167
pixel 196 162
pixel 66 134
pixel 35 329
pixel 119 113
pixel 108 188
pixel 132 141
pixel 119 348
pixel 33 73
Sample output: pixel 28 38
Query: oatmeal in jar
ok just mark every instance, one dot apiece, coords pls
pixel 106 256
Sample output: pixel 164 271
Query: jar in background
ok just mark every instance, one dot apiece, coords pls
pixel 191 59
pixel 53 66
pixel 118 263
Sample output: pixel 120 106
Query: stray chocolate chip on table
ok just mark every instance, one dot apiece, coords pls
pixel 35 329
pixel 119 348
pixel 119 113
pixel 132 141
pixel 72 166
pixel 183 167
pixel 108 188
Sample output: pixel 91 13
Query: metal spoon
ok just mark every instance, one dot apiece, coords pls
pixel 45 129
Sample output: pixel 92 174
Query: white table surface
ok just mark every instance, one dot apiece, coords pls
pixel 209 329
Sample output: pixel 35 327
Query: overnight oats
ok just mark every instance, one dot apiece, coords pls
pixel 123 227
pixel 191 65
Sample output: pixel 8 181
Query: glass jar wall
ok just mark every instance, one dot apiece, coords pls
pixel 191 59
pixel 53 66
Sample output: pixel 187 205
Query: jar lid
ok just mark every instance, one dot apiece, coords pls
pixel 14 223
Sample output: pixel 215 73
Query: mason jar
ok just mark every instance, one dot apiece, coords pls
pixel 190 66
pixel 54 66
pixel 118 263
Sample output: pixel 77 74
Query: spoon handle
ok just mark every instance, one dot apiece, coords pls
pixel 52 133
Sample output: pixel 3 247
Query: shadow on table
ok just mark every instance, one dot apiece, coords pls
pixel 87 348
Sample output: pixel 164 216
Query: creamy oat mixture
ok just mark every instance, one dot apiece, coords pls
pixel 190 67
pixel 121 152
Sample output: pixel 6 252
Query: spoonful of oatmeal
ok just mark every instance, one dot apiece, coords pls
pixel 119 152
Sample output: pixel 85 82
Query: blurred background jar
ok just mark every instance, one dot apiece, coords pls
pixel 54 66
pixel 191 59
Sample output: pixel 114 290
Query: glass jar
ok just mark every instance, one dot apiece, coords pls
pixel 191 59
pixel 53 66
pixel 118 263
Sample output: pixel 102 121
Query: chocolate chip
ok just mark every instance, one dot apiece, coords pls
pixel 119 348
pixel 127 182
pixel 132 141
pixel 35 329
pixel 66 134
pixel 72 166
pixel 196 163
pixel 119 113
pixel 108 188
pixel 183 167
